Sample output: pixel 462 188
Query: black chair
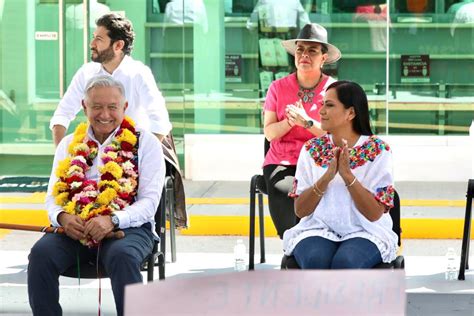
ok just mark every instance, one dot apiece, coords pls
pixel 89 270
pixel 289 262
pixel 170 206
pixel 467 231
pixel 258 188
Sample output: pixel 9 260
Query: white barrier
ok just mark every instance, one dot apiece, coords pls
pixel 232 157
pixel 272 293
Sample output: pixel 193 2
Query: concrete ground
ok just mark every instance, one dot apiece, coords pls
pixel 428 293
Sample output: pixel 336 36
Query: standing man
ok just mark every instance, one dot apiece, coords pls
pixel 111 47
pixel 106 176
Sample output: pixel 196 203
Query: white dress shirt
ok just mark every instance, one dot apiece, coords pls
pixel 151 177
pixel 146 105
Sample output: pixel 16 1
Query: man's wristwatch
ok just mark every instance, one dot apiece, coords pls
pixel 308 124
pixel 115 220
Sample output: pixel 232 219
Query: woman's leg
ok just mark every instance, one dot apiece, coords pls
pixel 279 181
pixel 356 253
pixel 315 252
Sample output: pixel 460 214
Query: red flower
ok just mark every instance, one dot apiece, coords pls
pixel 126 146
pixel 123 195
pixel 82 153
pixel 127 125
pixel 106 212
pixel 74 178
pixel 107 176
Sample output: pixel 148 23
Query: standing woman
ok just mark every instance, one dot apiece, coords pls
pixel 291 117
pixel 343 189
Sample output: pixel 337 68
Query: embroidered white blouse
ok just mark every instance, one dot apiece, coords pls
pixel 336 217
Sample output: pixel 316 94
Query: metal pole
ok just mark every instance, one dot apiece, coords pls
pixel 85 32
pixel 387 66
pixel 61 47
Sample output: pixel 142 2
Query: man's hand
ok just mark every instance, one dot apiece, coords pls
pixel 98 227
pixel 73 225
pixel 58 133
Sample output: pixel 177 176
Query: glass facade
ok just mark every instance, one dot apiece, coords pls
pixel 214 59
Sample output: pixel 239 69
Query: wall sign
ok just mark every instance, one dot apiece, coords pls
pixel 233 68
pixel 415 68
pixel 46 36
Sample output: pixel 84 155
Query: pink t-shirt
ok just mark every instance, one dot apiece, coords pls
pixel 285 150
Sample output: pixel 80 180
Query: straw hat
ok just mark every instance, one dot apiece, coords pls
pixel 313 32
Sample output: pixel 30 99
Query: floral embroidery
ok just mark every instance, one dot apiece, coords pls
pixel 292 193
pixel 321 150
pixel 368 151
pixel 385 196
pixel 118 183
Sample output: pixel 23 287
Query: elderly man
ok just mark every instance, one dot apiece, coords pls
pixel 106 176
pixel 111 47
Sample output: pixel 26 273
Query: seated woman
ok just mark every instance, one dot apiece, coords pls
pixel 291 117
pixel 343 189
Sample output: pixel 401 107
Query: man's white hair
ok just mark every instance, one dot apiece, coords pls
pixel 104 81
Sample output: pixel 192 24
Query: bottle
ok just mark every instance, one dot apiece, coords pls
pixel 239 256
pixel 451 268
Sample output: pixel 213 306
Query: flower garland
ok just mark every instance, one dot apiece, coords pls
pixel 118 176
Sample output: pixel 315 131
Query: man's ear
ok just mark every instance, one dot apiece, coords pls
pixel 118 45
pixel 84 106
pixel 125 106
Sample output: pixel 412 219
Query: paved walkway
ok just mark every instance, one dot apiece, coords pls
pixel 428 293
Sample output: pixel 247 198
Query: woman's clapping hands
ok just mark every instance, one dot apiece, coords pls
pixel 340 164
pixel 296 114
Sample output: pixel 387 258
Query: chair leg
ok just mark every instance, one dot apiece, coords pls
pixel 163 227
pixel 467 231
pixel 161 266
pixel 252 222
pixel 150 267
pixel 171 205
pixel 262 227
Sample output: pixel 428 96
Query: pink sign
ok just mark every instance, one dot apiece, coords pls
pixel 273 292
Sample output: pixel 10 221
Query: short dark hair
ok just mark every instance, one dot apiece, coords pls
pixel 324 48
pixel 351 94
pixel 119 28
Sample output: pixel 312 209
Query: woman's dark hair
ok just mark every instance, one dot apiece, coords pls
pixel 350 94
pixel 119 28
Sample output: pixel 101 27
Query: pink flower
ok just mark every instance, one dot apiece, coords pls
pixel 108 148
pixel 84 200
pixel 79 163
pixel 106 159
pixel 89 188
pixel 126 154
pixel 121 203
